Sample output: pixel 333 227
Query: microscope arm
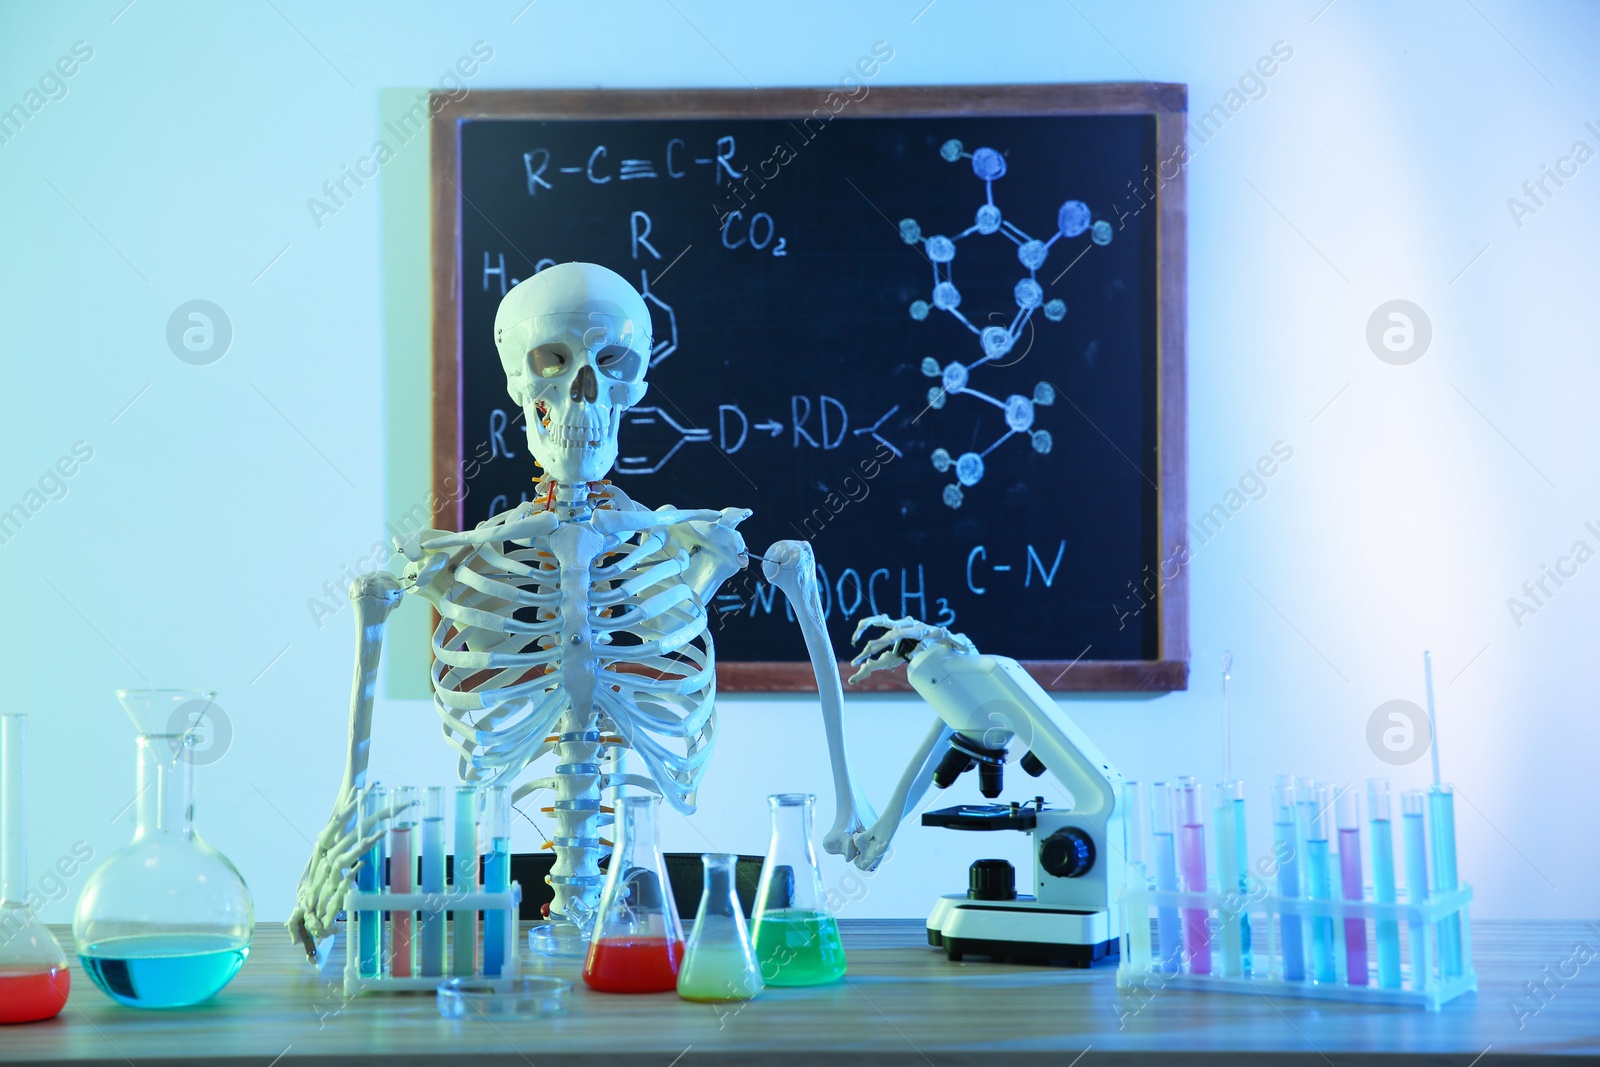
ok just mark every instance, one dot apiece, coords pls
pixel 989 700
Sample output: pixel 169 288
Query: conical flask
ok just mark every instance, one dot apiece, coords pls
pixel 720 963
pixel 796 936
pixel 34 979
pixel 165 922
pixel 637 943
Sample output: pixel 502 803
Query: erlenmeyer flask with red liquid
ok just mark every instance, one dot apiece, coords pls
pixel 637 943
pixel 34 979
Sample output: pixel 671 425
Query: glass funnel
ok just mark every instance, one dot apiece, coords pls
pixel 637 943
pixel 34 980
pixel 165 922
pixel 796 936
pixel 720 963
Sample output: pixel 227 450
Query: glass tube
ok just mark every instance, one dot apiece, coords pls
pixel 1348 809
pixel 1416 846
pixel 430 957
pixel 1134 828
pixel 464 921
pixel 1229 946
pixel 1162 843
pixel 1315 802
pixel 1192 865
pixel 402 876
pixel 1442 815
pixel 1381 847
pixel 370 879
pixel 496 876
pixel 1287 849
pixel 1242 854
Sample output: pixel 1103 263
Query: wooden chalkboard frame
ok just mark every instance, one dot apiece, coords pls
pixel 1168 103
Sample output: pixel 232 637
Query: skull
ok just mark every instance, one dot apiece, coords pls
pixel 575 341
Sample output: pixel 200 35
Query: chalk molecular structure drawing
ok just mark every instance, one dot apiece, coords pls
pixel 994 342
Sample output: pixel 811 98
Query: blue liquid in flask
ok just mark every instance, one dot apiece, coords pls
pixel 163 971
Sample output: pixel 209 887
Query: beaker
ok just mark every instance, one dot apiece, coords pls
pixel 719 963
pixel 34 980
pixel 165 922
pixel 796 936
pixel 637 943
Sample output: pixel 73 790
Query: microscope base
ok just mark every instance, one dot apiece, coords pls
pixel 1021 930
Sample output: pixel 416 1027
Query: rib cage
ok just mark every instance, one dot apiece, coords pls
pixel 572 643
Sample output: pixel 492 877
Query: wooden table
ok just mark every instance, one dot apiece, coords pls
pixel 902 1003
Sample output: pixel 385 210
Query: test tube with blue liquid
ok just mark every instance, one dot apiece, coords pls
pixel 1386 932
pixel 370 878
pixel 1192 864
pixel 1416 846
pixel 1242 855
pixel 1442 820
pixel 496 876
pixel 1164 846
pixel 1231 915
pixel 1315 804
pixel 1348 808
pixel 464 879
pixel 431 954
pixel 1287 850
pixel 1135 828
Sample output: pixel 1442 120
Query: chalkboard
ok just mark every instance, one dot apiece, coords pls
pixel 937 332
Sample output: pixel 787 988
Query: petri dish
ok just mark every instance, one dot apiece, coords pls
pixel 513 998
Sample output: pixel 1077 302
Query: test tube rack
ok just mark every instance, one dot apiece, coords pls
pixel 357 901
pixel 1421 983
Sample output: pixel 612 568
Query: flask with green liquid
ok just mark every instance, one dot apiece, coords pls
pixel 796 936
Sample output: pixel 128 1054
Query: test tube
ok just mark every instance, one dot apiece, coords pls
pixel 402 876
pixel 1416 846
pixel 464 922
pixel 496 876
pixel 1315 802
pixel 1134 828
pixel 1230 948
pixel 1348 808
pixel 1381 844
pixel 431 956
pixel 1242 852
pixel 1286 850
pixel 1442 816
pixel 370 879
pixel 1192 862
pixel 1161 841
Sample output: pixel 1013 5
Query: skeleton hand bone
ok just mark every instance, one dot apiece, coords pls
pixel 334 860
pixel 896 644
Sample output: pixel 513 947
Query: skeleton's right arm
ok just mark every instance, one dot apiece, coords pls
pixel 319 896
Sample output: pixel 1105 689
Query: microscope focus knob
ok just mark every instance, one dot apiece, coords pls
pixel 1067 853
pixel 991 880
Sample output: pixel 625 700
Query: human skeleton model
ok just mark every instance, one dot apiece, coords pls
pixel 575 623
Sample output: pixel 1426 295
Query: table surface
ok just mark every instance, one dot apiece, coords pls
pixel 901 1003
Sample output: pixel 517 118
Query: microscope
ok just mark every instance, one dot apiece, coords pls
pixel 987 707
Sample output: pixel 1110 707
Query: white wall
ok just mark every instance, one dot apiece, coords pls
pixel 1376 166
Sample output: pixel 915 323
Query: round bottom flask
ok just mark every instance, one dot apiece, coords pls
pixel 34 980
pixel 166 921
